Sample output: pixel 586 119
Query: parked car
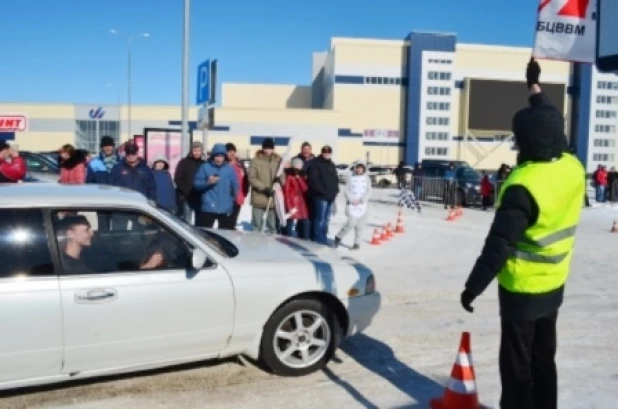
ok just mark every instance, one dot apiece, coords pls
pixel 105 282
pixel 468 182
pixel 40 168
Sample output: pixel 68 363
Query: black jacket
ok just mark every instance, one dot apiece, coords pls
pixel 323 180
pixel 539 134
pixel 184 176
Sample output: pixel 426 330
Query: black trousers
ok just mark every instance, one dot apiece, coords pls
pixel 527 364
pixel 226 221
pixel 235 214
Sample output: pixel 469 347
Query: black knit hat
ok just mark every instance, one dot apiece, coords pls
pixel 539 133
pixel 107 141
pixel 268 143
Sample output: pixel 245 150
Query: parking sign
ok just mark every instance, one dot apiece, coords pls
pixel 203 83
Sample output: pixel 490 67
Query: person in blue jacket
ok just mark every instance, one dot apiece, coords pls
pixel 217 183
pixel 450 186
pixel 100 167
pixel 133 173
pixel 166 192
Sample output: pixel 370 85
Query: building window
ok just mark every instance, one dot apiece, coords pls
pixel 88 133
pixel 437 136
pixel 438 106
pixel 606 99
pixel 436 151
pixel 604 143
pixel 605 128
pixel 439 91
pixel 433 120
pixel 603 157
pixel 439 75
pixel 607 85
pixel 606 114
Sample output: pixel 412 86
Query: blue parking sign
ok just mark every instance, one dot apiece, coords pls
pixel 203 83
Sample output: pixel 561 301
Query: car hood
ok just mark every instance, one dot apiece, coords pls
pixel 256 247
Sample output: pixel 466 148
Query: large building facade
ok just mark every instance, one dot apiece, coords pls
pixel 423 97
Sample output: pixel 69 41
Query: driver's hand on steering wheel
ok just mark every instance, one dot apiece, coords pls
pixel 156 260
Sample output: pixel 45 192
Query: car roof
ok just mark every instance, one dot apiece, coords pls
pixel 58 195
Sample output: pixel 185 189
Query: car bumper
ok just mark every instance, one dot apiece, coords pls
pixel 361 311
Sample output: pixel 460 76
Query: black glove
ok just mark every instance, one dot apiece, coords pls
pixel 466 300
pixel 269 192
pixel 533 72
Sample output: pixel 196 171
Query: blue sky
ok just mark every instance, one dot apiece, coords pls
pixel 62 51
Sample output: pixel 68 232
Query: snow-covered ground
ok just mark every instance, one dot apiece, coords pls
pixel 404 359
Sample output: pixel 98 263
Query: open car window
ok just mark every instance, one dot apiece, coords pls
pixel 218 243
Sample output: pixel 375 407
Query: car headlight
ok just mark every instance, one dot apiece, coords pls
pixel 371 285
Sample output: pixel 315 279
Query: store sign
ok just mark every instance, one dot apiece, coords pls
pixel 381 135
pixel 13 123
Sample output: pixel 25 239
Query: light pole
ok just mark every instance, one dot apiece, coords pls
pixel 184 146
pixel 129 47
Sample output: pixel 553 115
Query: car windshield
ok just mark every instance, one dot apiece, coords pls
pixel 221 245
pixel 468 173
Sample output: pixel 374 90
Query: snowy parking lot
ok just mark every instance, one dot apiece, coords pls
pixel 406 356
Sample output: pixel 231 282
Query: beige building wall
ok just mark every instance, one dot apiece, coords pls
pixel 266 96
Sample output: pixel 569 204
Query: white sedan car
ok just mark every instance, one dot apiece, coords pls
pixel 96 280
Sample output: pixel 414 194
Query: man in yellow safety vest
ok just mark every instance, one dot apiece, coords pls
pixel 529 249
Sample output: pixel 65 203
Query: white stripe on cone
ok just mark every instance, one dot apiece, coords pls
pixel 462 387
pixel 463 359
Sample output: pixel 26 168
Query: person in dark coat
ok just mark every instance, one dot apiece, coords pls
pixel 400 174
pixel 323 184
pixel 529 247
pixel 417 180
pixel 133 173
pixel 166 194
pixel 189 200
pixel 100 167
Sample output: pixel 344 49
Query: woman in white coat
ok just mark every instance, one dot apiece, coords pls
pixel 357 194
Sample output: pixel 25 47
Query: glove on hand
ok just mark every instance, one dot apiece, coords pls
pixel 466 300
pixel 533 72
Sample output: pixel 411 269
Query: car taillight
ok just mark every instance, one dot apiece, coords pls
pixel 371 285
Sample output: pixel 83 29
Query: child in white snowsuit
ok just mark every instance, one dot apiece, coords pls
pixel 357 193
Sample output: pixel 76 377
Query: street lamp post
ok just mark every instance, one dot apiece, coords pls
pixel 129 49
pixel 184 146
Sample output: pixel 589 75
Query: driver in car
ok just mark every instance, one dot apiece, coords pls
pixel 77 232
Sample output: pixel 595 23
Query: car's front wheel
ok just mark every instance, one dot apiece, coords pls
pixel 300 338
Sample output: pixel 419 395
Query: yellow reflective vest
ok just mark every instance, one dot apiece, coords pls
pixel 542 259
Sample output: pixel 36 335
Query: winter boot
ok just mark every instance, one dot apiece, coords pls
pixel 355 247
pixel 336 242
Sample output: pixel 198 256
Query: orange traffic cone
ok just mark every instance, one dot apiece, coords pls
pixel 614 227
pixel 375 240
pixel 385 235
pixel 452 215
pixel 389 230
pixel 460 391
pixel 399 227
pixel 459 212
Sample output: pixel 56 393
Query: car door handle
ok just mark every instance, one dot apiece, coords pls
pixel 96 295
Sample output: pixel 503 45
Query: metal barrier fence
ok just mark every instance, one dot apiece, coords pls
pixel 605 195
pixel 456 193
pixel 427 189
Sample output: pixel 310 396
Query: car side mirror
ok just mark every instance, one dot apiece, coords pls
pixel 44 169
pixel 198 259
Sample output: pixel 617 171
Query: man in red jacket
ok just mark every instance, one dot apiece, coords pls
pixel 12 166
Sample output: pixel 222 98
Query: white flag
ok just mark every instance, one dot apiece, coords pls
pixel 566 30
